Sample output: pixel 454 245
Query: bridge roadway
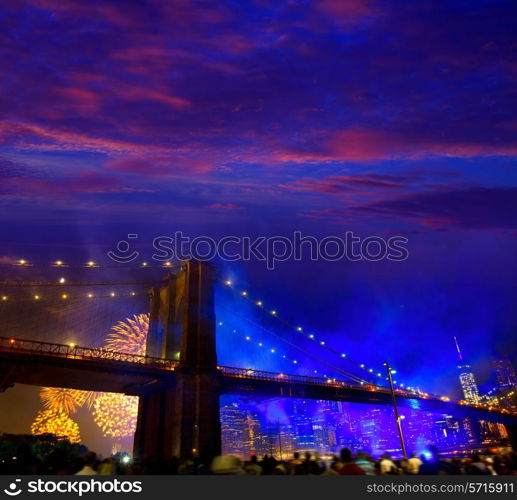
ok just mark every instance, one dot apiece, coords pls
pixel 95 369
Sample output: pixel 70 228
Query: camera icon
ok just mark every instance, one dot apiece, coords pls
pixel 14 488
pixel 122 255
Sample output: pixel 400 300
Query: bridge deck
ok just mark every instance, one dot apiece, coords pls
pixel 57 365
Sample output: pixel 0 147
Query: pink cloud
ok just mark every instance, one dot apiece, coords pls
pixel 363 145
pixel 135 93
pixel 90 182
pixel 225 206
pixel 31 136
pixel 162 166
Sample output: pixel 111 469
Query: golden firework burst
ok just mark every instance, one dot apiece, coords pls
pixel 116 414
pixel 58 423
pixel 66 400
pixel 129 336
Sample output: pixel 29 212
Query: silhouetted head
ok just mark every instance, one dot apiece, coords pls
pixel 296 455
pixel 346 455
pixel 308 455
pixel 89 458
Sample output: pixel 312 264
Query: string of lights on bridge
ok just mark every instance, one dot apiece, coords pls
pixel 273 350
pixel 90 264
pixel 313 338
pixel 67 296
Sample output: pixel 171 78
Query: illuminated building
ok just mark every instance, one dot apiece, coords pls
pixel 467 380
pixel 302 421
pixel 505 373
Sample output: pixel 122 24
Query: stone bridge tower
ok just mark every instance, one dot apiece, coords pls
pixel 183 420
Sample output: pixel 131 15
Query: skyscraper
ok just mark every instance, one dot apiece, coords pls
pixel 467 380
pixel 505 373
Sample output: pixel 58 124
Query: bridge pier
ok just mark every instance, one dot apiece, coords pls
pixel 183 420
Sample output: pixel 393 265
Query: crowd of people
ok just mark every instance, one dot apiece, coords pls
pixel 363 464
pixel 62 458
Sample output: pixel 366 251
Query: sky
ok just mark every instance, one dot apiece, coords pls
pixel 263 118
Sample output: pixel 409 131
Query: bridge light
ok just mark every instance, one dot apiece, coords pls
pixel 90 263
pixel 4 297
pixel 284 356
pixel 311 336
pixel 64 296
pixel 62 280
pixel 361 365
pixel 12 341
pixel 112 294
pixel 36 297
pixel 59 263
pixel 273 313
pixel 393 371
pixel 220 323
pixel 249 372
pixel 295 362
pixel 343 355
pixel 22 262
pixel 244 293
pixel 281 375
pixel 144 264
pixel 133 294
pixel 370 370
pixel 299 328
pixel 167 264
pixel 272 350
pixel 248 338
pixel 228 283
pixel 379 375
pixel 259 303
pixel 322 342
pixel 72 345
pixel 90 295
pixel 260 344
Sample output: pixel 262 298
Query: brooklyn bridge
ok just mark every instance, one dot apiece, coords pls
pixel 179 380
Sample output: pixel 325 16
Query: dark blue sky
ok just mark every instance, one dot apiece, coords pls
pixel 266 117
